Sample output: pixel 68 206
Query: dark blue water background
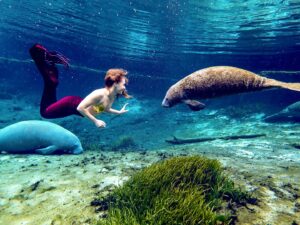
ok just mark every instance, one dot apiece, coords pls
pixel 158 42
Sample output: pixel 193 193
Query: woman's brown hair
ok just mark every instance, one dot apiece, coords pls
pixel 115 76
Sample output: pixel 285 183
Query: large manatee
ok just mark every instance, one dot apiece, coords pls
pixel 218 81
pixel 40 137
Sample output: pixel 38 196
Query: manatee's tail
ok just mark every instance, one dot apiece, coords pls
pixel 291 86
pixel 280 84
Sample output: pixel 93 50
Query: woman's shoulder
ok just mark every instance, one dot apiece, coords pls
pixel 100 91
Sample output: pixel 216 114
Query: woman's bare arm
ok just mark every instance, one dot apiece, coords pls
pixel 88 101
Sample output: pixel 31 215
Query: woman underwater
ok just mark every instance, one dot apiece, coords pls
pixel 98 101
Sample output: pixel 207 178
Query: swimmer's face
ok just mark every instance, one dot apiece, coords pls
pixel 120 86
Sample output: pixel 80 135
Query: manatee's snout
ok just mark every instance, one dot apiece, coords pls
pixel 165 103
pixel 77 150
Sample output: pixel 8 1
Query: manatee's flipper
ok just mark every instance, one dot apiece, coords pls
pixel 194 105
pixel 47 150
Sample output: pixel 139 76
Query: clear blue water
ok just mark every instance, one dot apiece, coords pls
pixel 154 35
pixel 154 39
pixel 158 42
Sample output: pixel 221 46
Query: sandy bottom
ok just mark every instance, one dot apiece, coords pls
pixel 59 189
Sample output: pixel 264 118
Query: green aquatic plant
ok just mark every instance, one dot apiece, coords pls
pixel 181 190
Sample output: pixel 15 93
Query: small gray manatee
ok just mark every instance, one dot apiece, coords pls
pixel 218 81
pixel 40 137
pixel 288 114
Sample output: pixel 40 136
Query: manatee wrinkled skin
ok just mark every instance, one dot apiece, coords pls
pixel 40 137
pixel 218 81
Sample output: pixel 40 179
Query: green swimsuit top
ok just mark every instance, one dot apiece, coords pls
pixel 99 108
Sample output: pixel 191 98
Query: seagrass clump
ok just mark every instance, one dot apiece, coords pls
pixel 181 190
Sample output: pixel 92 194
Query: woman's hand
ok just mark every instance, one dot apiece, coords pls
pixel 100 124
pixel 124 110
pixel 118 112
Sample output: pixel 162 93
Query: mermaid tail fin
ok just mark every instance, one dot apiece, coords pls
pixel 57 58
pixel 40 54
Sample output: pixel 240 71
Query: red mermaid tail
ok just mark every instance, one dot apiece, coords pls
pixel 45 61
pixel 40 53
pixel 55 57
